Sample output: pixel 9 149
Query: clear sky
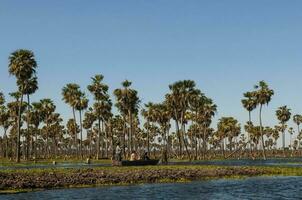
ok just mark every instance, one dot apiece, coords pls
pixel 226 46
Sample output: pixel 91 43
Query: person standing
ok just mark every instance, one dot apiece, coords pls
pixel 118 152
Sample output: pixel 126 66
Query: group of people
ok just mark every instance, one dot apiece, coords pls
pixel 133 157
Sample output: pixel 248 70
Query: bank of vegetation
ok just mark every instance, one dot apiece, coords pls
pixel 35 179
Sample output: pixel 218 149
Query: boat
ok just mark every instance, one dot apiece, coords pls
pixel 135 163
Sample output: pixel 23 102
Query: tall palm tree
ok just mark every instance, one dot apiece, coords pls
pixel 178 102
pixel 101 106
pixel 298 120
pixel 162 116
pixel 249 103
pixel 127 103
pixel 208 111
pixel 229 128
pixel 88 121
pixel 4 122
pixel 22 65
pixel 263 96
pixel 148 114
pixel 73 130
pixel 80 105
pixel 71 93
pixel 283 114
pixel 30 87
pixel 35 119
pixel 47 108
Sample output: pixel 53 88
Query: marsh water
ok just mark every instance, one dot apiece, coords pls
pixel 281 162
pixel 228 189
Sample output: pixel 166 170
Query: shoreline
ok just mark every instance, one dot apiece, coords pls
pixel 18 181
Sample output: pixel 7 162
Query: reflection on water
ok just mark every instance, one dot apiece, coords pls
pixel 252 188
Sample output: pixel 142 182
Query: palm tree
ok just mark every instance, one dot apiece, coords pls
pixel 71 93
pixel 148 114
pixel 30 87
pixel 178 102
pixel 88 121
pixel 72 130
pixel 13 110
pixel 283 114
pixel 80 105
pixel 208 111
pixel 47 108
pixel 127 103
pixel 229 128
pixel 4 122
pixel 291 132
pixel 22 65
pixel 162 116
pixel 35 119
pixel 298 120
pixel 249 103
pixel 263 96
pixel 102 105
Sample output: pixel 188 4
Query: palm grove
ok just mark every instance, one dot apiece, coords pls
pixel 178 127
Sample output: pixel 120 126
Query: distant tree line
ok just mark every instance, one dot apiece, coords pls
pixel 178 127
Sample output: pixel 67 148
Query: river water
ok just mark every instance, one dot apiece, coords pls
pixel 281 162
pixel 226 189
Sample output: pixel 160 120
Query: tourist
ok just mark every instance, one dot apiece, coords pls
pixel 118 153
pixel 146 157
pixel 133 156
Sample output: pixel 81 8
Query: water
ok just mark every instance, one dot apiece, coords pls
pixel 59 165
pixel 281 162
pixel 252 188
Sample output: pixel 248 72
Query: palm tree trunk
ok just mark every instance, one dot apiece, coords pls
pixel 27 123
pixel 19 129
pixel 124 138
pixel 179 137
pixel 283 139
pixel 185 141
pixel 299 145
pixel 75 125
pixel 204 142
pixel 249 135
pixel 6 143
pixel 36 142
pixel 102 140
pixel 46 146
pixel 195 135
pixel 98 140
pixel 222 148
pixel 81 136
pixel 130 131
pixel 90 142
pixel 106 142
pixel 261 132
pixel 167 142
pixel 148 139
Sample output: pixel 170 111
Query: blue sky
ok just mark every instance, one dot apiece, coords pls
pixel 226 46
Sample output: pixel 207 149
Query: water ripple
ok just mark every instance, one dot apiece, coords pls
pixel 267 188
